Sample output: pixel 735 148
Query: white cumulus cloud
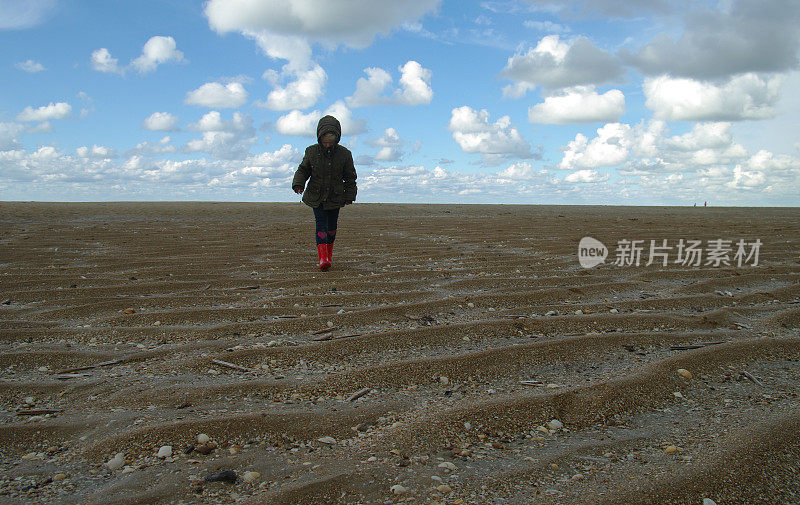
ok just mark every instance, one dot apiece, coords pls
pixel 102 61
pixel 9 136
pixel 474 133
pixel 354 23
pixel 556 64
pixel 303 92
pixel 30 66
pixel 58 110
pixel 586 176
pixel 414 87
pixel 609 148
pixel 746 96
pixel 298 123
pixel 161 121
pixel 217 95
pixel 582 104
pixel 157 50
pixel 20 14
pixel 95 152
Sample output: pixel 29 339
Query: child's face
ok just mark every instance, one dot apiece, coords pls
pixel 327 143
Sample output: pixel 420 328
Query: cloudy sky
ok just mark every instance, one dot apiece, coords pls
pixel 632 102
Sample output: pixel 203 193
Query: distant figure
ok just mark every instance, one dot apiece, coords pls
pixel 332 185
pixel 705 204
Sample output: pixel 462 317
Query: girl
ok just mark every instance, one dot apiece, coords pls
pixel 332 185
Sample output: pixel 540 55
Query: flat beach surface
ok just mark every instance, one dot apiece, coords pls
pixel 492 367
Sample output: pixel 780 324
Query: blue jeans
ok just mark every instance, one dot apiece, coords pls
pixel 326 224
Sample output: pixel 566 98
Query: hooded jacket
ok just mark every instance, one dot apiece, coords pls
pixel 330 173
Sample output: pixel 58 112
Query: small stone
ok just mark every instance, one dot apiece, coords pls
pixel 670 449
pixel 686 374
pixel 467 426
pixel 471 305
pixel 228 476
pixel 551 313
pixel 250 477
pixel 272 343
pixel 117 462
pixel 578 312
pixel 555 424
pixel 157 323
pixel 709 501
pixel 164 452
pixel 553 466
pixel 444 380
pixel 372 459
pixel 207 448
pixel 436 478
pixel 43 369
pixel 203 438
pixel 127 470
pixel 677 394
pixel 398 489
pixel 448 466
pixel 327 440
pixel 542 429
pixel 129 311
pixel 614 311
pixel 234 449
pixel 59 476
pixel 444 489
pixel 330 324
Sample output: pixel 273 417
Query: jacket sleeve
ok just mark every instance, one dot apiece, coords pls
pixel 349 176
pixel 303 172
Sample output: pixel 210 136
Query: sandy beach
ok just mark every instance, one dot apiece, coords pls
pixel 454 354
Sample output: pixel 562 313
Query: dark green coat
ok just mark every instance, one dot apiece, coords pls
pixel 332 175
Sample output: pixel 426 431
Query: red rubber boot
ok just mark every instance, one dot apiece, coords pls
pixel 330 254
pixel 324 257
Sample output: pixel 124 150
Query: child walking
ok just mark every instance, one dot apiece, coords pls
pixel 332 184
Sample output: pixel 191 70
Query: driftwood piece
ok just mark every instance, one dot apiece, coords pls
pixel 38 412
pixel 90 367
pixel 230 365
pixel 358 394
pixel 694 346
pixel 752 378
pixel 324 331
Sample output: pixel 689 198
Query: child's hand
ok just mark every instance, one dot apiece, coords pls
pixel 298 189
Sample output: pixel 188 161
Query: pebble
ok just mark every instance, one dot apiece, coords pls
pixel 551 313
pixel 555 424
pixel 670 449
pixel 553 466
pixel 117 462
pixel 164 452
pixel 444 380
pixel 686 374
pixel 228 476
pixel 677 394
pixel 614 311
pixel 272 343
pixel 203 438
pixel 327 440
pixel 471 305
pixel 448 466
pixel 467 426
pixel 398 489
pixel 578 312
pixel 436 478
pixel 59 476
pixel 444 489
pixel 127 470
pixel 250 477
pixel 709 501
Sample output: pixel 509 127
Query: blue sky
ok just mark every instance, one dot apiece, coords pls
pixel 641 102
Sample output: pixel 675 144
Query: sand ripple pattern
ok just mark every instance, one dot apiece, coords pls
pixel 452 355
